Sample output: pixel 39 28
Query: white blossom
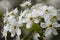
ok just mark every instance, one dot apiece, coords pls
pixel 41 14
pixel 26 3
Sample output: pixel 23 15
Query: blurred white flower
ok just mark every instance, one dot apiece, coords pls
pixel 5 30
pixel 11 24
pixel 14 12
pixel 50 27
pixel 39 13
pixel 49 10
pixel 26 3
pixel 51 30
pixel 15 30
pixel 5 34
pixel 31 19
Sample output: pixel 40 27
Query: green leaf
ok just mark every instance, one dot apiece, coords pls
pixel 35 27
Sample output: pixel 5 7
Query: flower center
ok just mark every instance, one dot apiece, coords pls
pixel 15 27
pixel 53 18
pixel 50 25
pixel 31 18
pixel 27 6
pixel 12 13
pixel 47 11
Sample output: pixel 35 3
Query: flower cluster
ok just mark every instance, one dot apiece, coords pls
pixel 45 16
pixel 11 23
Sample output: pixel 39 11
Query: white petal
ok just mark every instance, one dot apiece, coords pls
pixel 47 18
pixel 25 3
pixel 6 28
pixel 36 35
pixel 58 17
pixel 48 31
pixel 4 33
pixel 36 21
pixel 43 25
pixel 17 37
pixel 55 24
pixel 13 22
pixel 12 33
pixel 18 31
pixel 28 25
pixel 54 31
pixel 5 38
pixel 15 11
pixel 19 24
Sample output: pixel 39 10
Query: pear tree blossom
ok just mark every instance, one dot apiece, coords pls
pixel 41 14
